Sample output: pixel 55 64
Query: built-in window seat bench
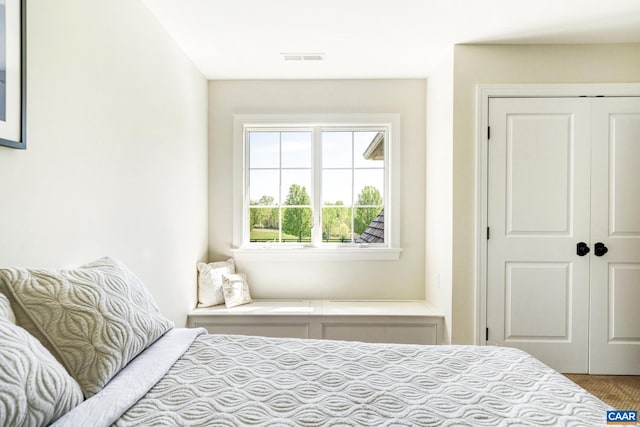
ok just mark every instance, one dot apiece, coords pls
pixel 404 322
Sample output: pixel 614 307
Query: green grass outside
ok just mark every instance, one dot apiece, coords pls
pixel 258 234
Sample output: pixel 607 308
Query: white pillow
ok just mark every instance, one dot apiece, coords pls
pixel 210 281
pixel 5 310
pixel 94 319
pixel 236 290
pixel 35 389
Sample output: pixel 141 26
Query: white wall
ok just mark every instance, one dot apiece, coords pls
pixel 439 191
pixel 473 65
pixel 403 279
pixel 117 150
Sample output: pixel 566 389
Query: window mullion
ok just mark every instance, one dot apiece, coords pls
pixel 280 187
pixel 316 183
pixel 353 186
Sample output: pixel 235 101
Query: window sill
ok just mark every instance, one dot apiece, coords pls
pixel 308 253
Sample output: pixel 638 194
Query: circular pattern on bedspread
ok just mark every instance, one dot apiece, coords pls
pixel 256 381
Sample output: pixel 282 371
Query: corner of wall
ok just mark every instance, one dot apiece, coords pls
pixel 439 188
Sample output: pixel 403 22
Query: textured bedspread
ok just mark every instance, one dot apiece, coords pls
pixel 245 381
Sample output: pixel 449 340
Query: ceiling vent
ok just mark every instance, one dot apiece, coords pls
pixel 303 56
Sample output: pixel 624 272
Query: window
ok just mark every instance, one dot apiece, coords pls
pixel 279 183
pixel 352 184
pixel 324 185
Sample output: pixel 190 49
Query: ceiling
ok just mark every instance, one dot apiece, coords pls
pixel 244 39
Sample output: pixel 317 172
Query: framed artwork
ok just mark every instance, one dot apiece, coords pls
pixel 13 73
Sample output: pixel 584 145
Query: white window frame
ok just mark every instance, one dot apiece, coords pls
pixel 242 250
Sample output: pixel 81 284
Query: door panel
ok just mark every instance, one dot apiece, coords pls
pixel 530 286
pixel 538 200
pixel 624 174
pixel 539 203
pixel 623 296
pixel 615 276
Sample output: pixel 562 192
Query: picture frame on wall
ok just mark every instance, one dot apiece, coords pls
pixel 13 74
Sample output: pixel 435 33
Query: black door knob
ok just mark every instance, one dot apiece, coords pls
pixel 582 249
pixel 600 249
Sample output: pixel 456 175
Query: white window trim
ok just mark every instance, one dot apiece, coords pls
pixel 274 252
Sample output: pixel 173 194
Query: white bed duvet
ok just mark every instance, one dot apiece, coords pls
pixel 189 378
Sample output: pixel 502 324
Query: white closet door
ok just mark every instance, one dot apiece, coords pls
pixel 615 213
pixel 539 204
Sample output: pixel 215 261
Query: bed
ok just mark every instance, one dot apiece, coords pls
pixel 92 348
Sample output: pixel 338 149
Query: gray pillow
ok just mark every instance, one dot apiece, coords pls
pixel 35 389
pixel 94 319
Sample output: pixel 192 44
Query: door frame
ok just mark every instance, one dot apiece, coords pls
pixel 483 93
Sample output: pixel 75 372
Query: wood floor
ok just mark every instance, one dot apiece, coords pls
pixel 620 391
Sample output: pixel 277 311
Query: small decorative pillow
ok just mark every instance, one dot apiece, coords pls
pixel 236 290
pixel 5 310
pixel 35 389
pixel 94 319
pixel 210 281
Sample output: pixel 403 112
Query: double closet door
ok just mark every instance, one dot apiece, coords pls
pixel 563 254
